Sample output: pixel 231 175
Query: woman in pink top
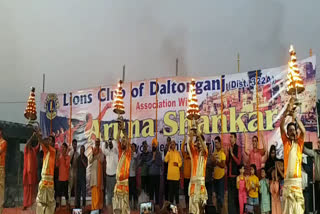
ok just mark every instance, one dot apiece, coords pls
pixel 241 185
pixel 256 154
pixel 275 195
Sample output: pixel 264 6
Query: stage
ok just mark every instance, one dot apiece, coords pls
pixel 62 210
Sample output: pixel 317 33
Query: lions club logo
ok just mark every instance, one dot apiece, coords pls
pixel 52 105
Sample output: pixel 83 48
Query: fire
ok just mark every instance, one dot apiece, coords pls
pixel 193 111
pixel 295 82
pixel 30 112
pixel 118 106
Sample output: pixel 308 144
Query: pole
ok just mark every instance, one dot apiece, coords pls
pixel 51 117
pixel 221 107
pixel 123 72
pixel 238 60
pixel 310 52
pixel 70 122
pixel 100 113
pixel 43 82
pixel 157 108
pixel 130 122
pixel 177 66
pixel 257 101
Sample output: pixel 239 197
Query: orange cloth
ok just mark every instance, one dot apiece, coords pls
pixel 124 169
pixel 186 163
pixel 286 150
pixel 196 163
pixel 48 170
pixel 29 194
pixel 30 165
pixel 3 151
pixel 64 166
pixel 96 191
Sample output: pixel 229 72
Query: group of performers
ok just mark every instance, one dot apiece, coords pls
pixel 72 172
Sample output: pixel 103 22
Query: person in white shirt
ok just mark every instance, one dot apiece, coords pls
pixel 111 153
pixel 133 197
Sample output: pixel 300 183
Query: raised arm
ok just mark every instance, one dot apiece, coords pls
pixel 300 126
pixel 28 144
pixel 308 152
pixel 183 150
pixel 246 150
pixel 203 144
pixel 263 150
pixel 283 121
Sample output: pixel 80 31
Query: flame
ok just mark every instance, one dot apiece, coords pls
pixel 193 107
pixel 118 100
pixel 294 82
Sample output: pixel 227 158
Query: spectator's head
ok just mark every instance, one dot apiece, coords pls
pixel 241 169
pixel 154 144
pixel 272 152
pixel 217 143
pixel 97 143
pixel 61 130
pixel 145 146
pixel 64 148
pixel 255 142
pixel 88 117
pixel 263 173
pixel 74 144
pixel 173 145
pixel 110 143
pixel 233 138
pixel 168 140
pixel 292 130
pixel 133 147
pixel 51 140
pixel 281 165
pixel 253 169
pixel 82 150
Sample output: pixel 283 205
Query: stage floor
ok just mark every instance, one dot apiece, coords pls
pixel 63 210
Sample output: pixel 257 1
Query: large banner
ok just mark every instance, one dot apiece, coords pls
pixel 233 96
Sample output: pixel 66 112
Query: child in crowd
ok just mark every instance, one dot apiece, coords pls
pixel 241 186
pixel 264 191
pixel 275 194
pixel 253 188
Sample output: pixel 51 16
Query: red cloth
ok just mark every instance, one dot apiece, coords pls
pixel 30 165
pixel 30 179
pixel 29 194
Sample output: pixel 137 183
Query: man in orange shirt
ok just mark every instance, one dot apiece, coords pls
pixel 120 200
pixel 96 177
pixel 63 162
pixel 3 151
pixel 45 199
pixel 292 152
pixel 197 189
pixel 186 171
pixel 30 179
